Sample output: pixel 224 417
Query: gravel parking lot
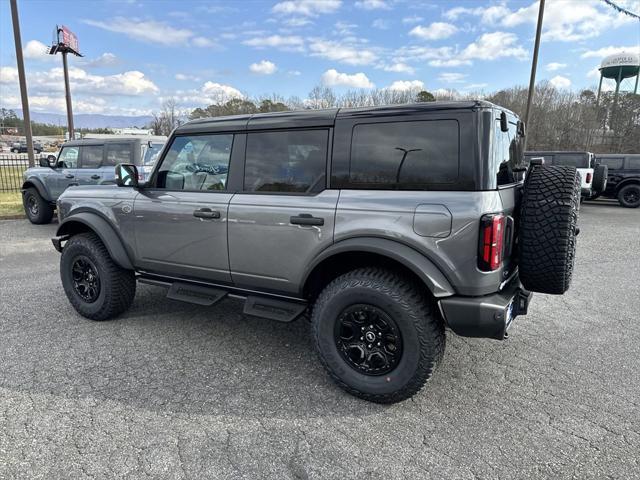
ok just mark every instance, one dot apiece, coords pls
pixel 173 390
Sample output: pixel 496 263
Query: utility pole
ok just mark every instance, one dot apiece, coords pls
pixel 534 65
pixel 26 118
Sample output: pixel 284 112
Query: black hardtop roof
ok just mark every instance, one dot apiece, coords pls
pixel 616 155
pixel 318 118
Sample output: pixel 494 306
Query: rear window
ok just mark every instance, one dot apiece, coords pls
pixel 404 155
pixel 612 162
pixel 150 153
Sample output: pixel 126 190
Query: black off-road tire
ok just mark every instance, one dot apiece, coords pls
pixel 599 183
pixel 37 209
pixel 629 196
pixel 548 223
pixel 415 315
pixel 117 286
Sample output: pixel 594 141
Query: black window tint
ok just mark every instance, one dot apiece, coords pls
pixel 91 156
pixel 404 155
pixel 118 153
pixel 507 152
pixel 634 163
pixel 290 161
pixel 196 162
pixel 572 160
pixel 612 162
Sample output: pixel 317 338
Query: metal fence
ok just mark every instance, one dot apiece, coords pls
pixel 11 169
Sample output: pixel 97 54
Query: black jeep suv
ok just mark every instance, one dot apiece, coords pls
pixel 623 181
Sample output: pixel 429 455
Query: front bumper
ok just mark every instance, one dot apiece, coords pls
pixel 488 316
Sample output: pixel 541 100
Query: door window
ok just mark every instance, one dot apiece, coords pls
pixel 287 161
pixel 634 163
pixel 612 162
pixel 117 153
pixel 196 162
pixel 68 157
pixel 91 156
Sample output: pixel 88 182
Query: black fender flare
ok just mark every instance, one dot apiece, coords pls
pixel 626 181
pixel 425 269
pixel 100 227
pixel 39 186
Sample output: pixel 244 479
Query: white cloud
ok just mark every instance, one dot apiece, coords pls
pixel 9 75
pixel 202 42
pixel 107 59
pixel 373 5
pixel 606 51
pixel 452 62
pixel 35 50
pixel 381 24
pixel 309 8
pixel 342 52
pixel 148 31
pixel 452 77
pixel 183 77
pixel 399 67
pixel 333 78
pixel 555 66
pixel 560 82
pixel 295 22
pixel 412 19
pixel 564 20
pixel 594 73
pixel 406 85
pixel 435 31
pixel 264 67
pixel 286 42
pixel 220 91
pixel 491 46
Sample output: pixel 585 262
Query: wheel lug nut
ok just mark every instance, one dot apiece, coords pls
pixel 369 346
pixel 378 343
pixel 361 338
pixel 370 326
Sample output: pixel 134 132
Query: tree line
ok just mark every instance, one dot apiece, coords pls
pixel 559 119
pixel 10 122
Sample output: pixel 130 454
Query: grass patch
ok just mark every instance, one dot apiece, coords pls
pixel 10 204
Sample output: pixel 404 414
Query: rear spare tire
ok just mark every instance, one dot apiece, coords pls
pixel 600 178
pixel 548 222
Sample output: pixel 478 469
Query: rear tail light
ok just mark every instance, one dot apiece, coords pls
pixel 589 176
pixel 491 247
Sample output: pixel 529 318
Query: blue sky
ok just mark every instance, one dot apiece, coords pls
pixel 140 52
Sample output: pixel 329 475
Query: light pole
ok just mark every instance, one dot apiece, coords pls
pixel 26 117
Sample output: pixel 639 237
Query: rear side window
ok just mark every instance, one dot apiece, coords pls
pixel 612 162
pixel 572 160
pixel 118 153
pixel 91 156
pixel 634 163
pixel 404 155
pixel 508 155
pixel 288 161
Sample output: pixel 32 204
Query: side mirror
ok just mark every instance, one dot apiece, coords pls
pixel 126 175
pixel 504 123
pixel 51 161
pixel 44 162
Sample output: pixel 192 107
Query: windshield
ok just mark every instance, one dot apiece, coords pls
pixel 150 153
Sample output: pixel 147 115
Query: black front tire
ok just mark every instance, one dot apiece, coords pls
pixel 629 196
pixel 115 288
pixel 37 209
pixel 402 302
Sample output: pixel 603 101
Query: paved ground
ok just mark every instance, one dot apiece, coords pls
pixel 179 391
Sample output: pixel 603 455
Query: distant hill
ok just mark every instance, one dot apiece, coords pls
pixel 90 120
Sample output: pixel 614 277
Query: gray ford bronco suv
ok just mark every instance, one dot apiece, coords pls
pixel 387 225
pixel 82 162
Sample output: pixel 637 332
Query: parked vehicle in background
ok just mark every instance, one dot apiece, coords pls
pixel 386 223
pixel 593 177
pixel 81 162
pixel 21 147
pixel 623 182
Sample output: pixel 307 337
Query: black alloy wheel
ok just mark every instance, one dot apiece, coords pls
pixel 368 339
pixel 32 206
pixel 86 280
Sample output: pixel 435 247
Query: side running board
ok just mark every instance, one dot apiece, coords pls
pixel 279 310
pixel 197 294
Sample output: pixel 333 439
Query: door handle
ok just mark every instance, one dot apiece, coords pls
pixel 206 213
pixel 95 177
pixel 306 219
pixel 68 175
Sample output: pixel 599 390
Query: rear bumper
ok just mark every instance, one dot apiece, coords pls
pixel 488 316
